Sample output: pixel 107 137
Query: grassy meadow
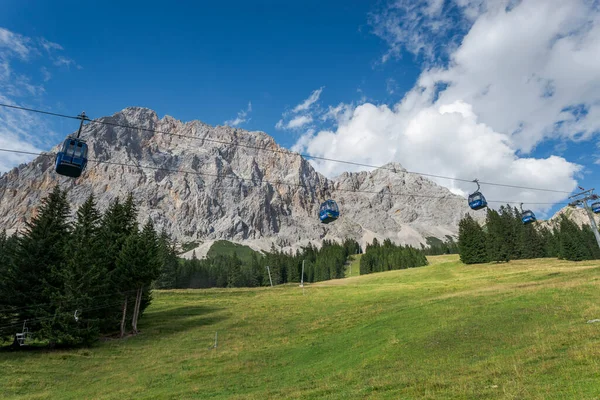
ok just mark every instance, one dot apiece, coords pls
pixel 446 331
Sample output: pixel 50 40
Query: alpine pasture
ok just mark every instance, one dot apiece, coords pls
pixel 447 330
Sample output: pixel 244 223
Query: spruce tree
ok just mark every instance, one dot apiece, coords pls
pixel 8 246
pixel 41 258
pixel 169 262
pixel 571 246
pixel 85 276
pixel 118 223
pixel 498 239
pixel 471 241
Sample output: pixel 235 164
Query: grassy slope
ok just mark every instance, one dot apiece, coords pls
pixel 514 330
pixel 224 247
pixel 353 268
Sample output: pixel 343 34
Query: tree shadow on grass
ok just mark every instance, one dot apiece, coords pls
pixel 153 324
pixel 180 319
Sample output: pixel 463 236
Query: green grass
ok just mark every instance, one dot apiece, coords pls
pixel 353 268
pixel 444 331
pixel 224 247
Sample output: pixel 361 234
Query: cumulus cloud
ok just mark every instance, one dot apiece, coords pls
pixel 523 72
pixel 532 72
pixel 242 116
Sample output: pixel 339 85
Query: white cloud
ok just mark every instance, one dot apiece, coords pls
pixel 312 99
pixel 521 69
pixel 45 74
pixel 50 46
pixel 295 123
pixel 241 116
pixel 523 72
pixel 302 114
pixel 446 140
pixel 61 61
pixel 4 70
pixel 391 85
pixel 417 27
pixel 15 43
pixel 299 121
pixel 20 130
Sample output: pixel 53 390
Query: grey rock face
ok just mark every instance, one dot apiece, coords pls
pixel 199 188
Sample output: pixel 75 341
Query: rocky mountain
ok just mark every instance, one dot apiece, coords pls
pixel 200 188
pixel 577 215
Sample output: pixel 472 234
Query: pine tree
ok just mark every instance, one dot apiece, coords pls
pixel 129 255
pixel 571 246
pixel 85 276
pixel 8 246
pixel 587 237
pixel 471 241
pixel 498 238
pixel 118 223
pixel 145 270
pixel 40 260
pixel 169 263
pixel 532 243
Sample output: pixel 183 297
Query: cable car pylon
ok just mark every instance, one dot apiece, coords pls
pixel 582 199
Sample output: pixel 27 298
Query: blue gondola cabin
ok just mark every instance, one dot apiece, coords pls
pixel 477 201
pixel 528 217
pixel 72 159
pixel 329 212
pixel 596 207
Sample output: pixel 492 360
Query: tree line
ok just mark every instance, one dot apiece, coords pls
pixel 389 256
pixel 328 262
pixel 437 247
pixel 74 279
pixel 504 237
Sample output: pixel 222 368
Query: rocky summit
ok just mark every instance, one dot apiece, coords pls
pixel 205 183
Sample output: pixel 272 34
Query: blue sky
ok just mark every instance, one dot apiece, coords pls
pixel 206 60
pixel 360 61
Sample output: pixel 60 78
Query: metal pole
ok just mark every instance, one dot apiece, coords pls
pixel 83 117
pixel 271 280
pixel 592 221
pixel 302 276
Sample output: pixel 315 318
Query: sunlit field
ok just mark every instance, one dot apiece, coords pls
pixel 444 331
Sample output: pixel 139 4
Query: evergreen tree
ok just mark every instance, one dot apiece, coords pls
pixel 498 237
pixel 571 246
pixel 41 258
pixel 145 271
pixel 471 241
pixel 85 276
pixel 532 243
pixel 117 225
pixel 588 238
pixel 8 246
pixel 168 261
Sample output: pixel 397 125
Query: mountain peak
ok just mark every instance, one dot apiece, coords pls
pixel 210 183
pixel 394 166
pixel 137 113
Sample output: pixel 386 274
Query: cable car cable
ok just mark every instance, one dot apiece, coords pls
pixel 261 181
pixel 281 151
